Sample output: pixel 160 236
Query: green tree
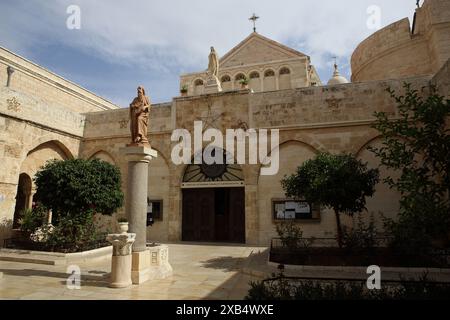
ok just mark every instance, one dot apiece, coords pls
pixel 417 145
pixel 340 182
pixel 77 188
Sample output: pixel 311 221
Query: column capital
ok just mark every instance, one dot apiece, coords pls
pixel 139 153
pixel 121 243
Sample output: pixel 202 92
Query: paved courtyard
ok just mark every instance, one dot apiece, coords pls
pixel 199 272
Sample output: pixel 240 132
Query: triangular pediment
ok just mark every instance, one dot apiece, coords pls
pixel 257 49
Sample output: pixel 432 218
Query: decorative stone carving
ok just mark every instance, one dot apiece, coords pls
pixel 122 243
pixel 122 259
pixel 13 104
pixel 123 123
pixel 333 103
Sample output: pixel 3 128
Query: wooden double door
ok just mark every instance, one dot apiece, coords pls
pixel 214 215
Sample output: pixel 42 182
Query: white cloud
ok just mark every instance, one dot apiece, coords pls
pixel 171 36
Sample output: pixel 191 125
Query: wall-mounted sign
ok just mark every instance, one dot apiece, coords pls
pixel 291 210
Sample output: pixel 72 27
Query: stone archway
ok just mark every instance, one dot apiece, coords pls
pixel 23 198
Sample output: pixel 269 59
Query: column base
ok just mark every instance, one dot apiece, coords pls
pixel 121 272
pixel 151 264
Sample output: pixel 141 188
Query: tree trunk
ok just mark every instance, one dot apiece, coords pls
pixel 339 230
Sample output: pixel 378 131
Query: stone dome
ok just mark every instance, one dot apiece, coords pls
pixel 337 78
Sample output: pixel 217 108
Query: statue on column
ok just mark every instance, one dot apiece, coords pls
pixel 139 115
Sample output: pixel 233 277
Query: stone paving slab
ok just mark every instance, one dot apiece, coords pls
pixel 200 272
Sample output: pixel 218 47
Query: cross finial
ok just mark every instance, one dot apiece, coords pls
pixel 254 18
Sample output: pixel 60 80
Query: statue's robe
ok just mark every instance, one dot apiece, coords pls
pixel 139 111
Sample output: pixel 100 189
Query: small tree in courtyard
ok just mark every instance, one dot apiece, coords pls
pixel 339 182
pixel 74 186
pixel 417 145
pixel 74 190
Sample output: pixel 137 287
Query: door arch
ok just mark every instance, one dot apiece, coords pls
pixel 23 198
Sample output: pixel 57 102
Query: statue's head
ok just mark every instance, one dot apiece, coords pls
pixel 212 49
pixel 141 91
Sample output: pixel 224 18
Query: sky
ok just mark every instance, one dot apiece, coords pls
pixel 123 44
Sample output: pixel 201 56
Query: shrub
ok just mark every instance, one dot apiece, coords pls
pixel 282 288
pixel 417 144
pixel 362 236
pixel 33 219
pixel 291 235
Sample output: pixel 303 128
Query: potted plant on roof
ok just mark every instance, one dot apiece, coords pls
pixel 244 83
pixel 184 90
pixel 123 224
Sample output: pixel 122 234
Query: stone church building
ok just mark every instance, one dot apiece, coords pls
pixel 43 116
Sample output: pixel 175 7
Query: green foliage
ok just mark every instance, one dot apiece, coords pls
pixel 291 235
pixel 362 236
pixel 184 88
pixel 244 81
pixel 122 219
pixel 75 233
pixel 340 182
pixel 282 288
pixel 417 144
pixel 33 219
pixel 74 187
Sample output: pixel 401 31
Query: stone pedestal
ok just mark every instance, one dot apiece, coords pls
pixel 212 85
pixel 121 260
pixel 151 264
pixel 138 158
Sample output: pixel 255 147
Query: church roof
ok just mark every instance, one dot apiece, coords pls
pixel 258 49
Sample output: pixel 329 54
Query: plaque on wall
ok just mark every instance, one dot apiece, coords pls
pixel 292 210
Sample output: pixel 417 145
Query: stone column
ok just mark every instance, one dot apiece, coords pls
pixel 138 158
pixel 121 259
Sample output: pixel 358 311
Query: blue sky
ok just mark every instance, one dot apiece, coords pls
pixel 122 44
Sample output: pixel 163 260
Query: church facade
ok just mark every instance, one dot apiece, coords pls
pixel 43 116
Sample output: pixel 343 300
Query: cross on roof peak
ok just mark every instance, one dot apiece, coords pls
pixel 253 18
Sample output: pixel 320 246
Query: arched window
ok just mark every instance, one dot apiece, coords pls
pixel 254 75
pixel 239 76
pixel 214 172
pixel 198 82
pixel 285 71
pixel 269 73
pixel 226 78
